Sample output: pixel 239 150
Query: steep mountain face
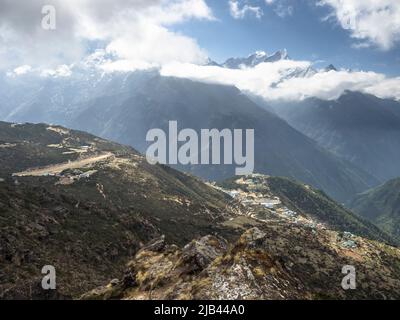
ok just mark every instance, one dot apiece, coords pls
pixel 381 205
pixel 280 150
pixel 360 128
pixel 330 67
pixel 124 107
pixel 255 59
pixel 85 205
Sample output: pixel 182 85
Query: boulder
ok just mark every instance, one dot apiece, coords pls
pixel 198 254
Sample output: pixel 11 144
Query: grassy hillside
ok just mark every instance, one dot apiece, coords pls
pixel 87 206
pixel 88 221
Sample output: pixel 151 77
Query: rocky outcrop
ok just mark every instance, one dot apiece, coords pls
pixel 161 271
pixel 198 254
pixel 298 264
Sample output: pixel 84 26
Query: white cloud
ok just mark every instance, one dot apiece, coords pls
pixel 282 8
pixel 374 22
pixel 284 11
pixel 274 81
pixel 132 30
pixel 155 44
pixel 22 69
pixel 388 88
pixel 60 71
pixel 125 65
pixel 136 34
pixel 239 11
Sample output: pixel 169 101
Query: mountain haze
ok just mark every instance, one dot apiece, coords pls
pixel 123 107
pixel 358 127
pixel 280 150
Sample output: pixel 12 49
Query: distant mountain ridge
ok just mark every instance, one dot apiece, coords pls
pixel 280 150
pixel 358 127
pixel 125 106
pixel 381 206
pixel 254 59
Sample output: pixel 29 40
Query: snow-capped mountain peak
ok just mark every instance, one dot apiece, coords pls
pixel 259 54
pixel 255 59
pixel 279 55
pixel 331 67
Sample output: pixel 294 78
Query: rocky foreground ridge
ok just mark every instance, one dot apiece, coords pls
pixel 87 206
pixel 267 262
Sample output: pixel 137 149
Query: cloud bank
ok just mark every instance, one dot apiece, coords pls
pixel 138 34
pixel 132 30
pixel 372 22
pixel 289 80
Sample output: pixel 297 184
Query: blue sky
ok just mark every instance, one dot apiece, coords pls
pixel 304 34
pixel 176 36
pixel 154 32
